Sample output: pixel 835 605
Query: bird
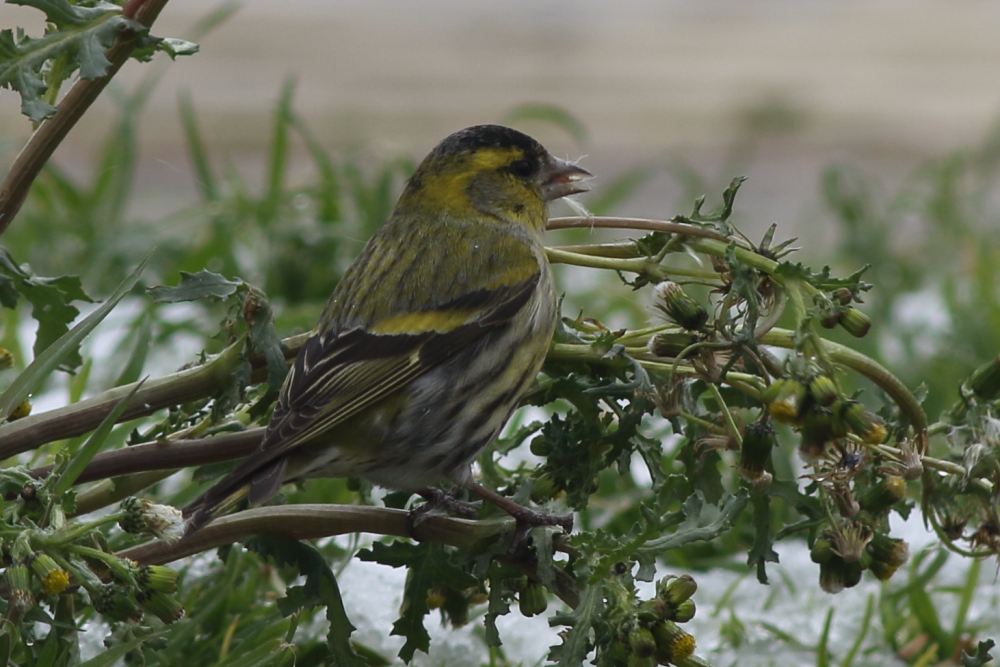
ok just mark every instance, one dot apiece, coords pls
pixel 430 338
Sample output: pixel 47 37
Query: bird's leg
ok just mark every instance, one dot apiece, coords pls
pixel 438 499
pixel 525 517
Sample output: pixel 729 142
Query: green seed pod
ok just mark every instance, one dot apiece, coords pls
pixel 685 612
pixel 680 307
pixel 817 430
pixel 789 401
pixel 823 390
pixel 165 607
pixel 883 495
pixel 758 441
pixel 673 645
pixel 54 579
pixel 670 344
pixel 822 550
pixel 855 322
pixel 676 589
pixel 641 643
pixel 19 583
pixel 533 600
pixel 985 380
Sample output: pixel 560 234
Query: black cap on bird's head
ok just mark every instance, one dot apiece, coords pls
pixel 507 150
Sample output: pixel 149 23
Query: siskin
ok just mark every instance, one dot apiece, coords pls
pixel 430 338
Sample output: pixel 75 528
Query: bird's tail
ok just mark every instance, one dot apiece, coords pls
pixel 218 500
pixel 246 481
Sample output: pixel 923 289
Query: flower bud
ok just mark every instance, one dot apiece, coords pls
pixel 830 319
pixel 19 583
pixel 685 612
pixel 435 598
pixel 787 400
pixel 823 390
pixel 843 296
pixel 985 380
pixel 822 550
pixel 114 602
pixel 862 422
pixel 157 578
pixel 54 579
pixel 545 489
pixel 635 660
pixel 835 575
pixel 6 359
pixel 673 645
pixel 165 607
pixel 669 344
pixel 887 550
pixel 817 430
pixel 855 322
pixel 758 441
pixel 20 411
pixel 539 446
pixel 883 495
pixel 641 642
pixel 143 516
pixel 680 307
pixel 533 600
pixel 676 589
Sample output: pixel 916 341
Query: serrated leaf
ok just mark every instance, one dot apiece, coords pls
pixel 81 37
pixel 427 566
pixel 495 608
pixel 194 286
pixel 576 645
pixel 50 301
pixel 982 655
pixel 320 589
pixel 174 47
pixel 34 375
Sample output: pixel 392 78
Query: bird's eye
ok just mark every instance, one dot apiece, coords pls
pixel 523 168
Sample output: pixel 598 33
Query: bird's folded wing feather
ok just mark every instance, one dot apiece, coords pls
pixel 335 377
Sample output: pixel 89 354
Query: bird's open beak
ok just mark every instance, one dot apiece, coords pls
pixel 560 178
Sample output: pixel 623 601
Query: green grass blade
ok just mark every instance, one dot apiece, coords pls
pixel 137 359
pixel 328 190
pixel 38 370
pixel 196 150
pixel 93 444
pixel 865 623
pixel 278 158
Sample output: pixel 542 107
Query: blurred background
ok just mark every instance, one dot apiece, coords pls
pixel 794 84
